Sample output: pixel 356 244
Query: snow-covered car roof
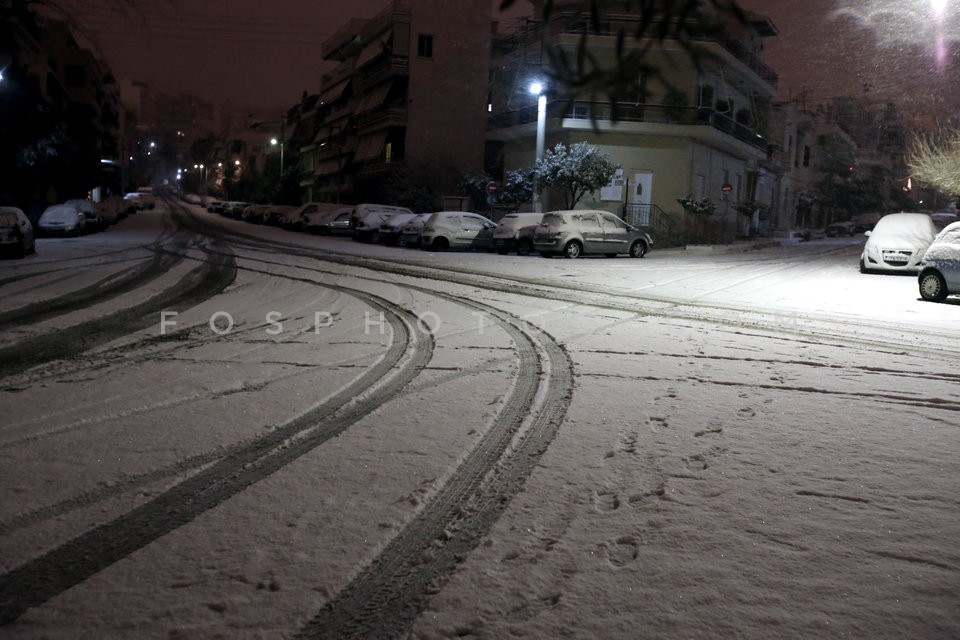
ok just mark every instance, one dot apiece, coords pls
pixel 915 228
pixel 59 213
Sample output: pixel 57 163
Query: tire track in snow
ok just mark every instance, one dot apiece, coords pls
pixel 212 276
pixel 389 594
pixel 61 568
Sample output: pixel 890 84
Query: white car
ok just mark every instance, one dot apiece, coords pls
pixel 16 232
pixel 62 220
pixel 329 221
pixel 515 232
pixel 391 231
pixel 940 268
pixel 366 219
pixel 897 243
pixel 453 230
pixel 410 234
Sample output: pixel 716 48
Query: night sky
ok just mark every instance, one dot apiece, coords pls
pixel 258 53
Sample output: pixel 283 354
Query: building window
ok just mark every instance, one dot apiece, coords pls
pixel 806 156
pixel 425 46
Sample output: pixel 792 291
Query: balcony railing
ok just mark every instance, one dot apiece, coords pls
pixel 604 112
pixel 613 25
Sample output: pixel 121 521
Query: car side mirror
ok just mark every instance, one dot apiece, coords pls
pixel 867 233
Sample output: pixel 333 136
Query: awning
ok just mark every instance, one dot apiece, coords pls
pixel 329 167
pixel 370 51
pixel 333 93
pixel 374 98
pixel 371 146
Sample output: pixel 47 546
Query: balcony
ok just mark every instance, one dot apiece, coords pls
pixel 607 115
pixel 575 24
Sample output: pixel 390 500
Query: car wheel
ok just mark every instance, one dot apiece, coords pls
pixel 863 267
pixel 440 244
pixel 638 249
pixel 375 237
pixel 932 286
pixel 572 249
pixel 524 247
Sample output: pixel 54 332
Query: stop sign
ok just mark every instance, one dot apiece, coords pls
pixel 727 187
pixel 492 187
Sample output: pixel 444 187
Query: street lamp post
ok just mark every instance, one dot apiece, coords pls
pixel 275 142
pixel 537 89
pixel 203 181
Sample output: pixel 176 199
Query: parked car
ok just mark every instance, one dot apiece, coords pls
pixel 234 209
pixel 216 206
pixel 113 209
pixel 278 214
pixel 134 198
pixel 61 220
pixel 453 230
pixel 329 221
pixel 410 234
pixel 515 232
pixel 16 232
pixel 296 219
pixel 94 221
pixel 940 267
pixel 256 213
pixel 837 229
pixel 391 231
pixel 897 243
pixel 573 233
pixel 365 220
pixel 944 218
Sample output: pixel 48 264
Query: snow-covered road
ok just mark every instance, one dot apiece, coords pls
pixel 214 430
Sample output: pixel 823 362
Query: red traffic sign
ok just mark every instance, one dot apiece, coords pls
pixel 492 187
pixel 727 187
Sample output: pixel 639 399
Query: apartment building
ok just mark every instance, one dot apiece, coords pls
pixel 694 131
pixel 407 97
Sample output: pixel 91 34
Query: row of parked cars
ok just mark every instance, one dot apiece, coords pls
pixel 568 233
pixel 915 243
pixel 74 217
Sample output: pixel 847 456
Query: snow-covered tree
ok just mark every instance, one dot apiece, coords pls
pixel 935 159
pixel 575 171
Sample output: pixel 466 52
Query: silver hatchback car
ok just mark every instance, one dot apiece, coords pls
pixel 574 233
pixel 940 268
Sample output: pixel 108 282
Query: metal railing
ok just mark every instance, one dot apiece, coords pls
pixel 633 112
pixel 650 217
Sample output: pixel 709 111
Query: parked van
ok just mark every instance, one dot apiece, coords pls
pixel 576 232
pixel 515 232
pixel 453 230
pixel 366 219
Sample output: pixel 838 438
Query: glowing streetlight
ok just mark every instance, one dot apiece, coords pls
pixel 537 89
